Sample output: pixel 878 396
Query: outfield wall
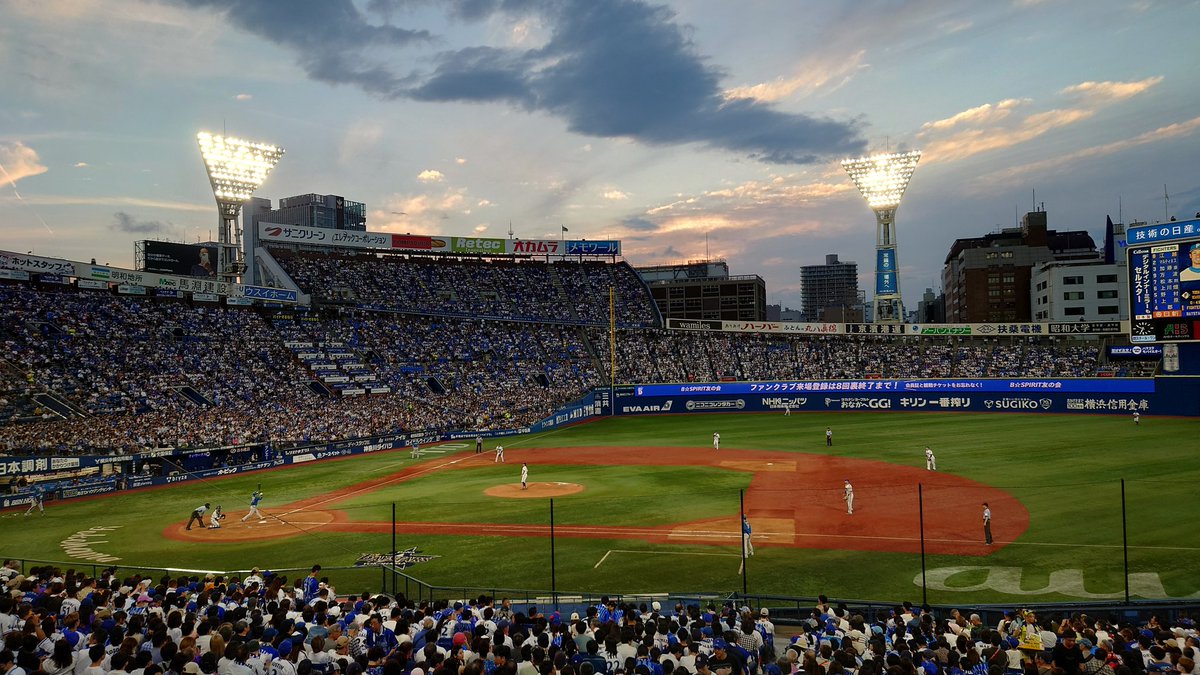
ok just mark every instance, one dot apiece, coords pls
pixel 1175 396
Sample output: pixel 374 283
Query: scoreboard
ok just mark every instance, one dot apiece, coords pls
pixel 1164 282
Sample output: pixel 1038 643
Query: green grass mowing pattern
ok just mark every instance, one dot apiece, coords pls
pixel 426 498
pixel 1066 470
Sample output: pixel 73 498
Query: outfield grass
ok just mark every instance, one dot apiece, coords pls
pixel 1066 471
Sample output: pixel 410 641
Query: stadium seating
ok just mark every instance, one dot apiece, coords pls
pixel 407 344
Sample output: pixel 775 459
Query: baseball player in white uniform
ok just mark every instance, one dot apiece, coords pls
pixel 214 523
pixel 499 454
pixel 930 460
pixel 524 476
pixel 716 441
pixel 848 497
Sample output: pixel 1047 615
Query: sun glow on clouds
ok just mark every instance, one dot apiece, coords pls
pixel 990 127
pixel 431 176
pixel 981 114
pixel 824 72
pixel 1112 91
pixel 1179 130
pixel 19 161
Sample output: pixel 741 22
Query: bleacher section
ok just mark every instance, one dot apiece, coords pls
pixel 399 343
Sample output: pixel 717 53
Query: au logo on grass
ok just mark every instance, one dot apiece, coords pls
pixel 402 559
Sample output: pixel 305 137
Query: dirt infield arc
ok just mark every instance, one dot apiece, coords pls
pixel 793 500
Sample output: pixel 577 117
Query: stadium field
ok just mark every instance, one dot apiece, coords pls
pixel 645 504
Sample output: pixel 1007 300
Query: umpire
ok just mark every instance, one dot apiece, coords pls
pixel 198 516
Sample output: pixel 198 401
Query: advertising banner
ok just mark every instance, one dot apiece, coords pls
pixel 1089 328
pixel 383 241
pixel 584 409
pixel 265 293
pixel 610 247
pixel 34 263
pixel 1148 234
pixel 17 275
pixel 536 247
pixel 92 284
pixel 1090 385
pixel 789 327
pixel 1136 352
pixel 694 324
pixel 50 278
pixel 131 289
pixel 885 271
pixel 886 329
pixel 90 489
pixel 478 245
pixel 1057 402
pixel 185 260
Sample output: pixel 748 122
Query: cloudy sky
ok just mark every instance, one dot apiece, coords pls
pixel 686 128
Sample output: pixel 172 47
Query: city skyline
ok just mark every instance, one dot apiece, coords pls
pixel 684 129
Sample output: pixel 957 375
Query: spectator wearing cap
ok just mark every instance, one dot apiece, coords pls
pixel 724 660
pixel 580 632
pixel 702 665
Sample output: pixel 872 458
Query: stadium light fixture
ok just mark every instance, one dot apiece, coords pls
pixel 236 168
pixel 882 180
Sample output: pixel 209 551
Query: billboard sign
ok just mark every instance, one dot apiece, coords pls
pixel 385 241
pixel 185 260
pixel 860 387
pixel 34 263
pixel 885 271
pixel 610 247
pixel 1164 286
pixel 1137 352
pixel 1162 232
pixel 478 245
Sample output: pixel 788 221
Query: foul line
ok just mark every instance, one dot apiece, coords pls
pixel 622 550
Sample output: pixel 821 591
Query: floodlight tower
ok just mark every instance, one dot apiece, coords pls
pixel 882 179
pixel 236 168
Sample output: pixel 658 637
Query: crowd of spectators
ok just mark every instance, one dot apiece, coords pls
pixel 659 355
pixel 57 623
pixel 564 291
pixel 144 374
pixel 134 372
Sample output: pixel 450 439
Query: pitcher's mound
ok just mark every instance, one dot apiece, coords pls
pixel 514 490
